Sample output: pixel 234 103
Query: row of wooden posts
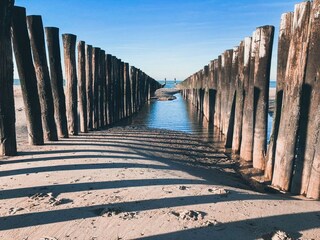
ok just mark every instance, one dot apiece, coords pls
pixel 233 94
pixel 100 89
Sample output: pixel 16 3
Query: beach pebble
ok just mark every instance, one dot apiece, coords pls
pixel 219 191
pixel 189 215
pixel 48 238
pixel 214 223
pixel 278 235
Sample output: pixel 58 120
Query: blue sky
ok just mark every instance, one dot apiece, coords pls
pixel 165 38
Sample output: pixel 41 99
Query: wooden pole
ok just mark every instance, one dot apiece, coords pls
pixel 212 88
pixel 128 89
pixel 261 94
pixel 106 94
pixel 95 77
pixel 289 122
pixel 36 34
pixel 102 85
pixel 138 86
pixel 285 35
pixel 82 89
pixel 115 90
pixel 226 87
pixel 124 91
pixel 307 166
pixel 28 81
pixel 206 101
pixel 59 102
pixel 89 87
pixel 109 87
pixel 230 111
pixel 8 144
pixel 133 89
pixel 122 88
pixel 69 45
pixel 246 149
pixel 236 141
pixel 217 114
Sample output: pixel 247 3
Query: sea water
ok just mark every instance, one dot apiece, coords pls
pixel 178 115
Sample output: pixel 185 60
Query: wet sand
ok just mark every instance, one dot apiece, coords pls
pixel 166 94
pixel 139 183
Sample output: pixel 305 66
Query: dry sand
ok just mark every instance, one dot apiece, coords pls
pixel 139 183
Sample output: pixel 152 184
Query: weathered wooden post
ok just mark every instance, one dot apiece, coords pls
pixel 138 87
pixel 95 79
pixel 8 144
pixel 113 89
pixel 226 81
pixel 28 81
pixel 236 141
pixel 36 34
pixel 291 110
pixel 306 178
pixel 212 89
pixel 217 112
pixel 82 90
pixel 102 77
pixel 285 35
pixel 246 149
pixel 124 91
pixel 205 87
pixel 109 88
pixel 89 87
pixel 261 94
pixel 121 88
pixel 230 112
pixel 69 45
pixel 116 89
pixel 133 88
pixel 106 95
pixel 59 102
pixel 128 89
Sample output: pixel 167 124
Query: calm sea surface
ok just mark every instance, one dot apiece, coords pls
pixel 178 115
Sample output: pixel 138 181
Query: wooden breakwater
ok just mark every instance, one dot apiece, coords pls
pixel 100 88
pixel 232 93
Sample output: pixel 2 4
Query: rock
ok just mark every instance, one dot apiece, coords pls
pixel 129 215
pixel 183 188
pixel 214 223
pixel 175 213
pixel 278 235
pixel 189 215
pixel 219 191
pixel 109 212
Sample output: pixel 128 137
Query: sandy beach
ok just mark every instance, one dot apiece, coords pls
pixel 139 183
